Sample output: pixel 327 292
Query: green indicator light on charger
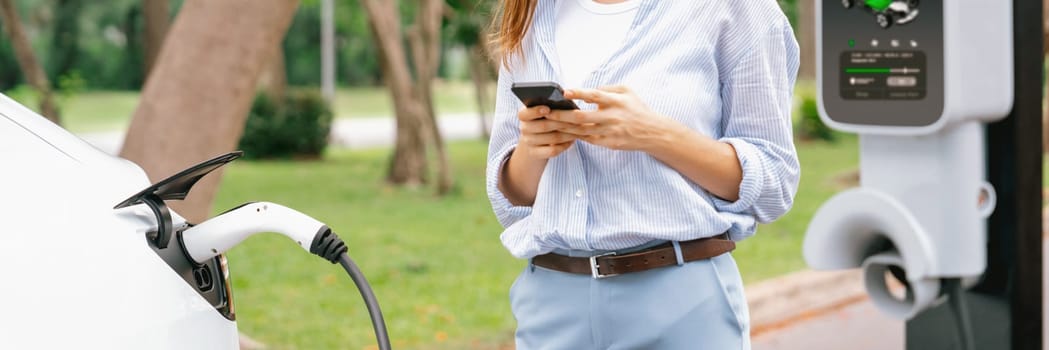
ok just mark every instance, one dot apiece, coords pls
pixel 852 43
pixel 868 70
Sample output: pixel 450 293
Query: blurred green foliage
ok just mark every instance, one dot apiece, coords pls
pixel 811 127
pixel 103 43
pixel 357 61
pixel 64 46
pixel 790 8
pixel 98 44
pixel 297 127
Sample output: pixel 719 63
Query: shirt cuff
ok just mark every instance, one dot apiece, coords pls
pixel 753 172
pixel 505 212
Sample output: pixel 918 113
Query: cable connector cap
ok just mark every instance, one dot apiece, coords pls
pixel 328 245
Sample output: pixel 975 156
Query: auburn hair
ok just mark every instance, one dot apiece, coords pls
pixel 509 28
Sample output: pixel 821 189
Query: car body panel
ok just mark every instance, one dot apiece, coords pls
pixel 76 272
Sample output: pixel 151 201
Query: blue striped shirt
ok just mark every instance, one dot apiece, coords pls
pixel 725 69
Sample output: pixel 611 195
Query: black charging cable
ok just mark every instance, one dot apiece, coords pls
pixel 330 247
pixel 961 313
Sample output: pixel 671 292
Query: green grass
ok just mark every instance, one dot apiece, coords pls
pixel 436 264
pixel 93 111
pixel 357 102
pixel 88 111
pixel 99 110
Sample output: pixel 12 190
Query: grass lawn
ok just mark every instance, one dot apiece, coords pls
pixel 436 264
pixel 92 111
pixel 88 111
pixel 449 97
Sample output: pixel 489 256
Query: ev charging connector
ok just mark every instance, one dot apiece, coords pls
pixel 221 233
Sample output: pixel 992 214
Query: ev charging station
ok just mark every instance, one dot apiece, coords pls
pixel 946 99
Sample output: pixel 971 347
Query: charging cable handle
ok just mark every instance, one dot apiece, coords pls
pixel 220 233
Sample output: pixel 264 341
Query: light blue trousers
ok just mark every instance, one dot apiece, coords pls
pixel 697 305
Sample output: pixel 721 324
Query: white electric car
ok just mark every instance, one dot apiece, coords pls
pixel 90 257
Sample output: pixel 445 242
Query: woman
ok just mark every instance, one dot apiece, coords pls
pixel 683 145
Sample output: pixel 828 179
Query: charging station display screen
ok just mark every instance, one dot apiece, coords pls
pixel 883 75
pixel 882 61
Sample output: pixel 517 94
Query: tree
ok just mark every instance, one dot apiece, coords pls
pixel 31 68
pixel 412 97
pixel 479 74
pixel 273 80
pixel 468 19
pixel 196 99
pixel 155 15
pixel 65 39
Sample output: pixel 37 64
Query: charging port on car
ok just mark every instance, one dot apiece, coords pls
pixel 202 275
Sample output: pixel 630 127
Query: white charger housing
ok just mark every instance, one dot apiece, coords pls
pixel 917 82
pixel 962 68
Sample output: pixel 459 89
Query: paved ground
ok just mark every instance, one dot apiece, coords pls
pixel 355 133
pixel 856 325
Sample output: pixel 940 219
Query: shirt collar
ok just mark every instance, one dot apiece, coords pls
pixel 608 9
pixel 546 18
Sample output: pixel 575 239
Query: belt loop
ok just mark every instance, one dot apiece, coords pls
pixel 531 265
pixel 677 253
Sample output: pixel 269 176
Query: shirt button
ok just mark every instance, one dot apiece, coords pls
pixel 578 193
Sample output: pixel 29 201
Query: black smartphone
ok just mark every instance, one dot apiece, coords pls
pixel 542 93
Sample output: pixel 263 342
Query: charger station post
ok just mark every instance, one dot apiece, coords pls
pixel 946 97
pixel 1006 305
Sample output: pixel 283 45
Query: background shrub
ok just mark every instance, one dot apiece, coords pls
pixel 811 127
pixel 298 127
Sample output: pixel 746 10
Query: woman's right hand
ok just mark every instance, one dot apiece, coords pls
pixel 541 138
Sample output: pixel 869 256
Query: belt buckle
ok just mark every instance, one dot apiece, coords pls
pixel 594 266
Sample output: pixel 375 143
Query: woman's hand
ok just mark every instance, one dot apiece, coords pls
pixel 540 140
pixel 540 136
pixel 621 122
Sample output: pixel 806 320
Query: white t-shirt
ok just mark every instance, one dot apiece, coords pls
pixel 588 33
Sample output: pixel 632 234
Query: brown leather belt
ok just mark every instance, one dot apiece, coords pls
pixel 609 265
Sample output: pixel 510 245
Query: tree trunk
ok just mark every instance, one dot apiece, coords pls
pixel 195 102
pixel 494 57
pixel 31 69
pixel 426 53
pixel 408 165
pixel 807 38
pixel 156 17
pixel 273 81
pixel 412 105
pixel 479 75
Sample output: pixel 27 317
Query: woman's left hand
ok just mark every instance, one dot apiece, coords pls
pixel 621 122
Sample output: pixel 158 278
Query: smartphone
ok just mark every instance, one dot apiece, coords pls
pixel 542 93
